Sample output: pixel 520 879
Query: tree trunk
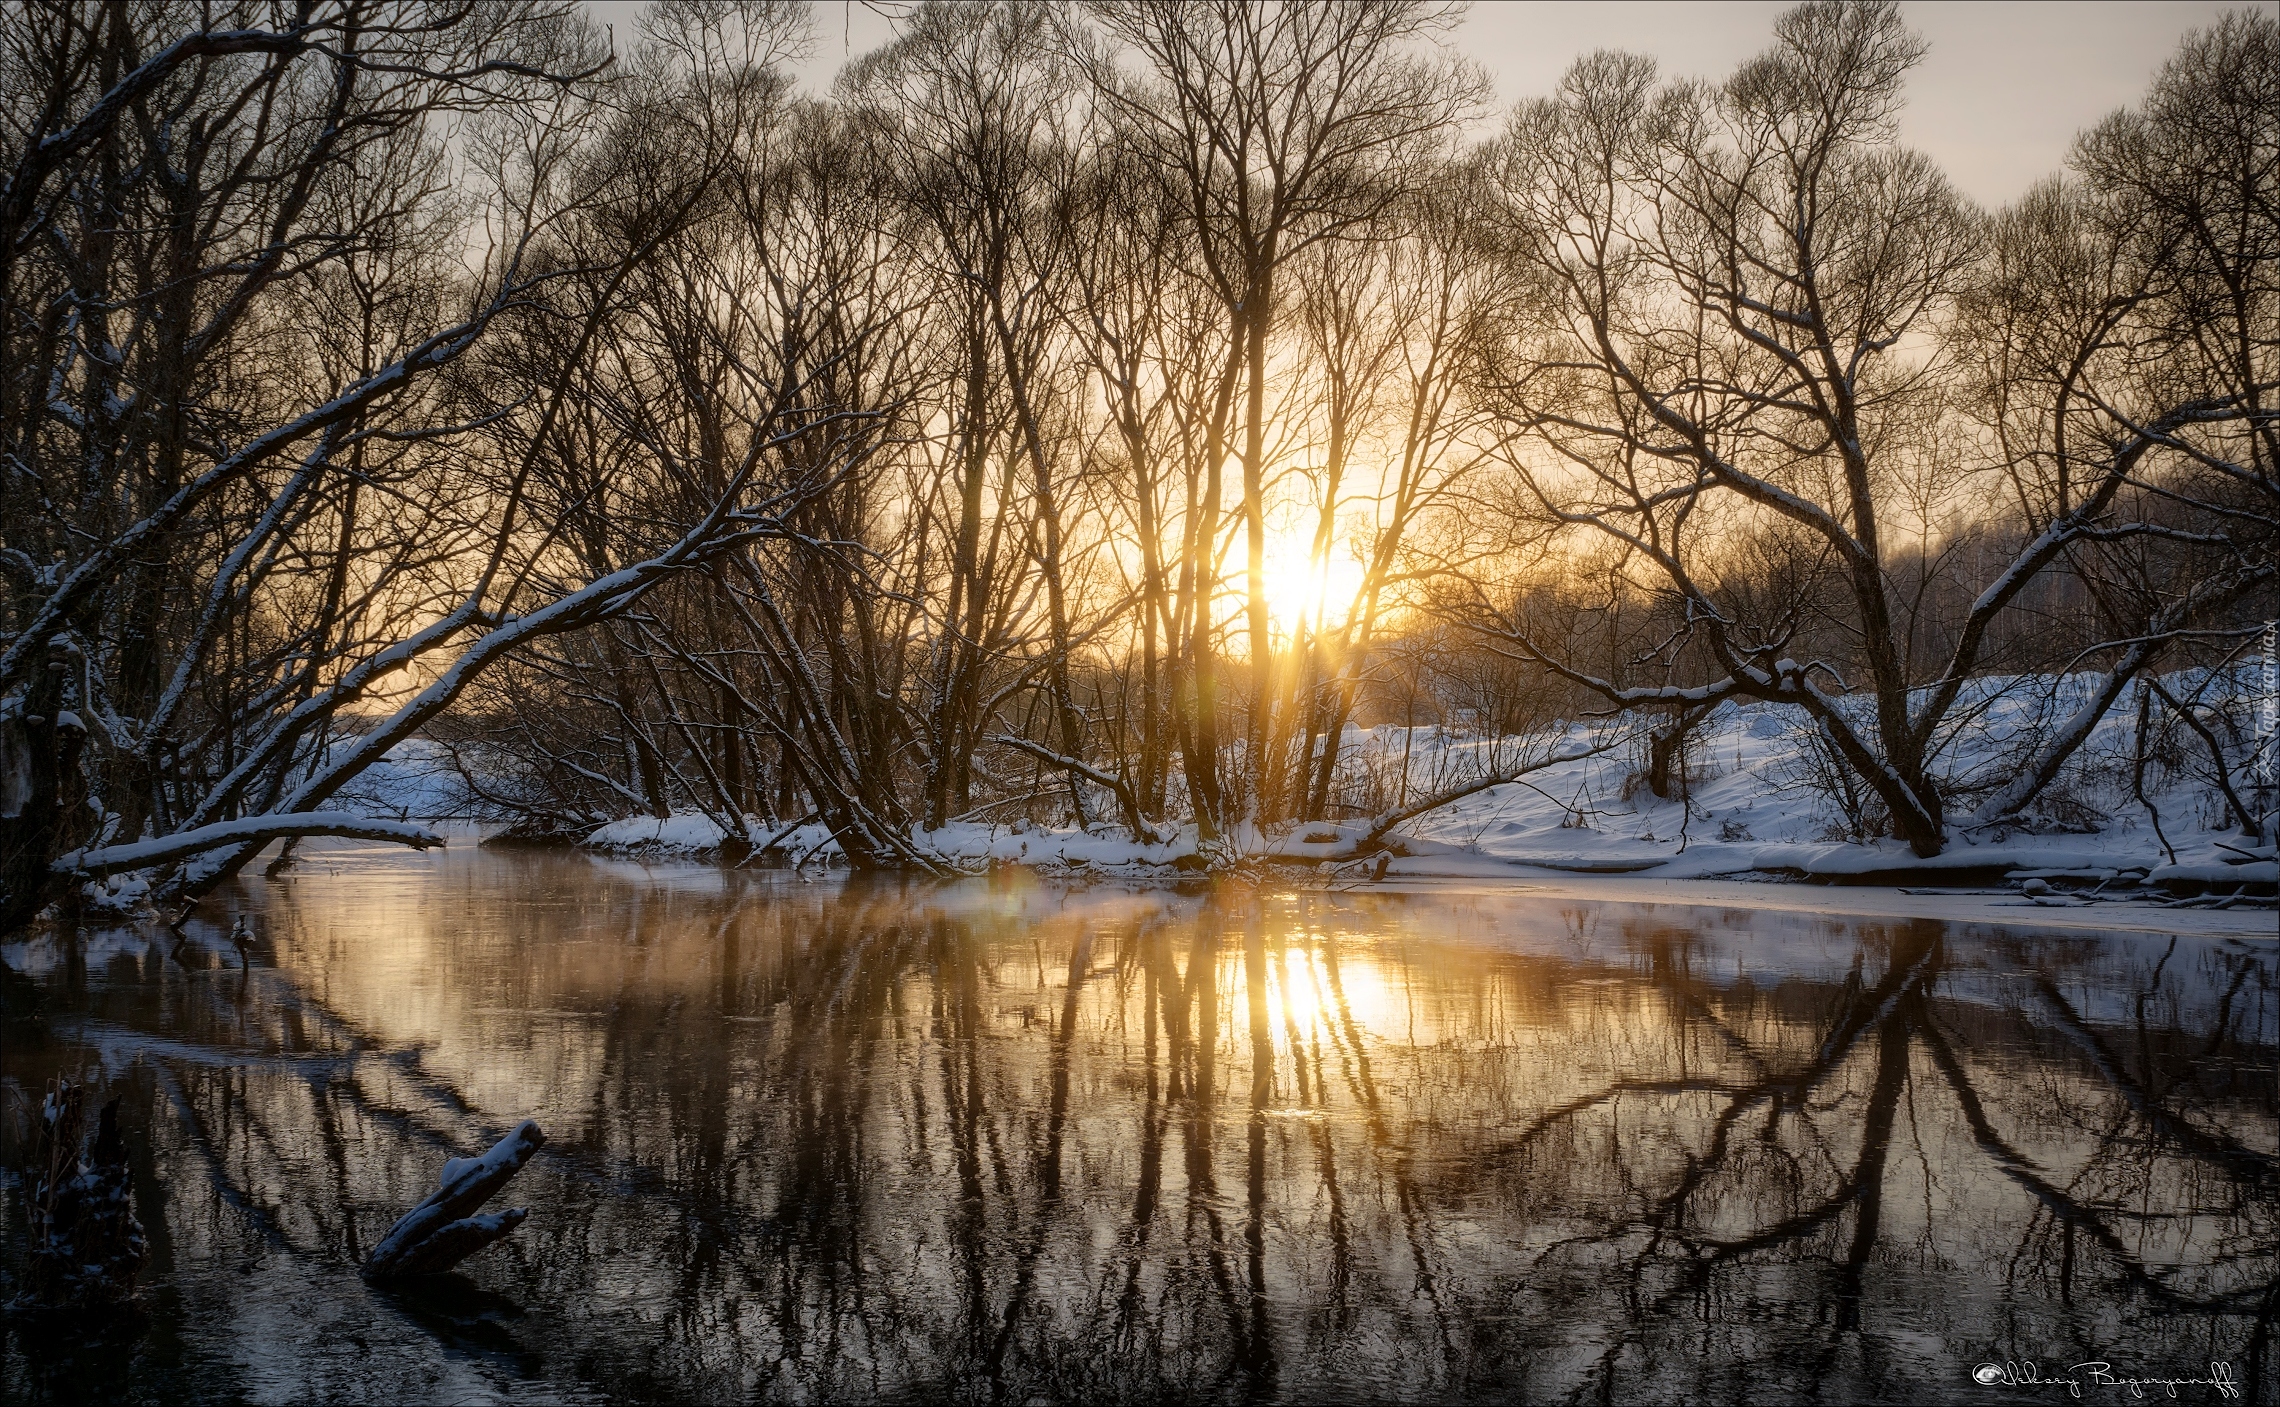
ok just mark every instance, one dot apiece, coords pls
pixel 39 783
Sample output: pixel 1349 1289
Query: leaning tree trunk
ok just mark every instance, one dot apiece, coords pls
pixel 1666 752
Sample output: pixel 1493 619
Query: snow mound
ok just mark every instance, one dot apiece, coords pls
pixel 682 833
pixel 1754 806
pixel 1853 861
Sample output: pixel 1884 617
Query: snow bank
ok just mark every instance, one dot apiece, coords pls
pixel 973 845
pixel 1877 858
pixel 682 833
pixel 2250 872
pixel 1754 810
pixel 692 833
pixel 1753 807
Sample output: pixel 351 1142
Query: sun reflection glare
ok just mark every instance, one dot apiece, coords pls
pixel 1325 996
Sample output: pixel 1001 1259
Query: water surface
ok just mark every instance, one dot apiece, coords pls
pixel 1013 1142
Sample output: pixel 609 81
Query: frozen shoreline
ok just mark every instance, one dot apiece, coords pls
pixel 1751 818
pixel 1447 870
pixel 1457 873
pixel 2004 908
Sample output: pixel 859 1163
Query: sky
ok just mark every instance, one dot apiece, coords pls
pixel 1997 102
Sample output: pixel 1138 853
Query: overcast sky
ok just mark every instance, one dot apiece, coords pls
pixel 2004 90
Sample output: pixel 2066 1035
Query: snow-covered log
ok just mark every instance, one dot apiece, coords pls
pixel 142 854
pixel 446 1228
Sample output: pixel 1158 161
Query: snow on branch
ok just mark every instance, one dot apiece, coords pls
pixel 143 854
pixel 445 1228
pixel 1077 765
pixel 105 561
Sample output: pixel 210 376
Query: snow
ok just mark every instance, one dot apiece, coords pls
pixel 499 1161
pixel 142 854
pixel 463 1185
pixel 1104 846
pixel 101 566
pixel 1837 861
pixel 413 781
pixel 682 833
pixel 967 843
pixel 1753 812
pixel 2252 872
pixel 125 895
pixel 491 1224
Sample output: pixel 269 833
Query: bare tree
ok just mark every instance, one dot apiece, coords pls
pixel 180 435
pixel 2125 343
pixel 1752 283
pixel 971 108
pixel 1283 126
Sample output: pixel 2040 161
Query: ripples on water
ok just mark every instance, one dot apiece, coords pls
pixel 1008 1142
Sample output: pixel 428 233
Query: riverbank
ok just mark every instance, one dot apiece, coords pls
pixel 1443 871
pixel 1450 873
pixel 2001 907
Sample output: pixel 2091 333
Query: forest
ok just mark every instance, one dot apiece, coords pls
pixel 1090 417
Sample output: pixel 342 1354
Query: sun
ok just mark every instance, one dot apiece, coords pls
pixel 1305 590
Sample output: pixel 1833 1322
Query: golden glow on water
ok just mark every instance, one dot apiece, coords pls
pixel 851 1141
pixel 1298 990
pixel 1322 998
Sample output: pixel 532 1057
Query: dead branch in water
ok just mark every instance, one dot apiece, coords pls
pixel 445 1229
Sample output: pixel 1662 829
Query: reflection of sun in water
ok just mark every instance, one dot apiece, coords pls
pixel 1299 997
pixel 1306 999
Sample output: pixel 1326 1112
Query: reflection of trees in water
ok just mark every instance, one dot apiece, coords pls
pixel 1697 1189
pixel 865 1141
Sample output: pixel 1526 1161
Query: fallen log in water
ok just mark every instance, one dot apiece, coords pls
pixel 445 1229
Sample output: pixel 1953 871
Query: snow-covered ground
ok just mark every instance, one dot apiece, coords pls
pixel 1753 805
pixel 1754 809
pixel 1758 807
pixel 965 842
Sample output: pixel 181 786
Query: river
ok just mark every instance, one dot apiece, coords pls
pixel 1014 1141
